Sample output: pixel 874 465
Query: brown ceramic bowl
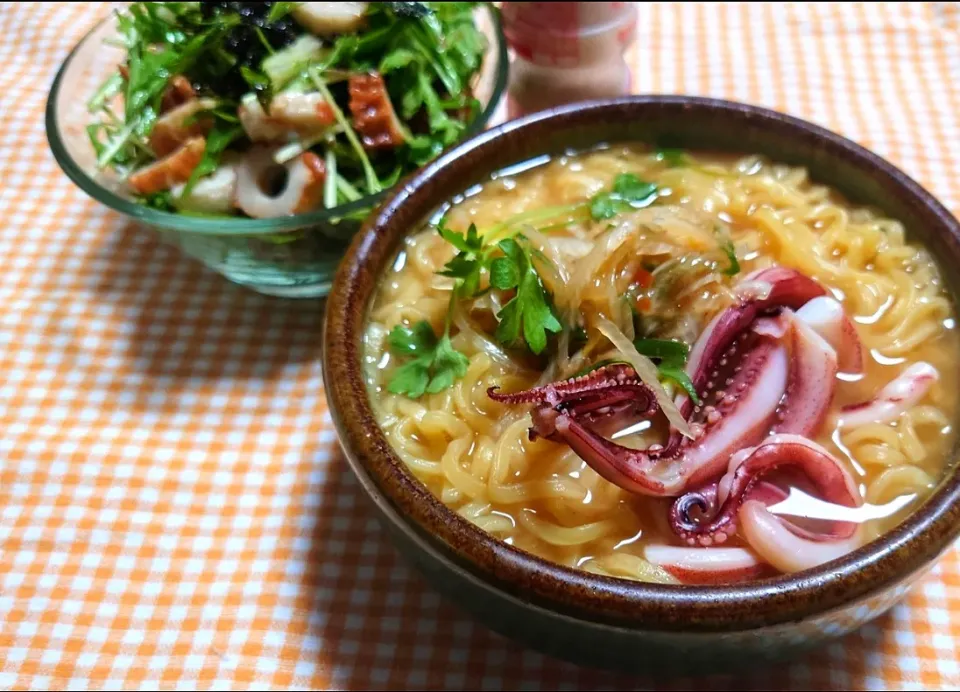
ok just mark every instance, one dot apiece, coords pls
pixel 574 614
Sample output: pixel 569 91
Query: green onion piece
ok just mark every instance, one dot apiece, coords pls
pixel 109 89
pixel 115 144
pixel 347 190
pixel 330 182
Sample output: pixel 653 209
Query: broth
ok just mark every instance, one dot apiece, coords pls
pixel 660 267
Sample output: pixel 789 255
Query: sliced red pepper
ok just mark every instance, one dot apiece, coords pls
pixel 643 278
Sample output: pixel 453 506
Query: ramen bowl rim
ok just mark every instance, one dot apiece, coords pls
pixel 877 567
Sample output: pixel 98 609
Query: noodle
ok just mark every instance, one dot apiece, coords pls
pixel 476 455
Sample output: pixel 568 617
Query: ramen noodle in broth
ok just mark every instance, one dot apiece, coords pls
pixel 666 366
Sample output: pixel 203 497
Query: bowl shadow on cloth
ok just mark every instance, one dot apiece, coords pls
pixel 184 326
pixel 409 637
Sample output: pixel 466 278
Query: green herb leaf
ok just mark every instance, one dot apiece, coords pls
pixel 400 57
pixel 417 341
pixel 435 366
pixel 449 365
pixel 530 310
pixel 109 89
pixel 511 248
pixel 631 189
pixel 679 375
pixel 411 379
pixel 604 206
pixel 628 192
pixel 596 366
pixel 440 123
pixel 93 132
pixel 674 158
pixel 225 111
pixel 468 264
pixel 508 329
pixel 290 62
pixel 279 10
pixel 471 242
pixel 504 274
pixel 672 357
pixel 158 200
pixel 260 83
pixel 460 267
pixel 538 317
pixel 731 253
pixel 664 349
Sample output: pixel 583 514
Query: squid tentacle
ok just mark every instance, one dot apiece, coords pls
pixel 832 480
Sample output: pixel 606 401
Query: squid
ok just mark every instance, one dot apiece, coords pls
pixel 766 372
pixel 373 114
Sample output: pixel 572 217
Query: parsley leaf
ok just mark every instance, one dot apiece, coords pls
pixel 504 274
pixel 468 264
pixel 411 379
pixel 603 206
pixel 418 341
pixel 435 366
pixel 401 57
pixel 631 189
pixel 449 365
pixel 628 192
pixel 530 310
pixel 471 242
pixel 158 200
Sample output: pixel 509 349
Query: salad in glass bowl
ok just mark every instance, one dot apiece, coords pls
pixel 257 136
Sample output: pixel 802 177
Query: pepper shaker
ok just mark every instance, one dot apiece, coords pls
pixel 566 52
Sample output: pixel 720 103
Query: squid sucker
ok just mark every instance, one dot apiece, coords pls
pixel 765 370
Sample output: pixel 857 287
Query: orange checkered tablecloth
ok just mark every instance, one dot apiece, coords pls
pixel 174 509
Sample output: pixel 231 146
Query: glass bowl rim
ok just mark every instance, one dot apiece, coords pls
pixel 241 225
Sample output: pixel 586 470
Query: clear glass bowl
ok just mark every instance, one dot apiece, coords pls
pixel 292 256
